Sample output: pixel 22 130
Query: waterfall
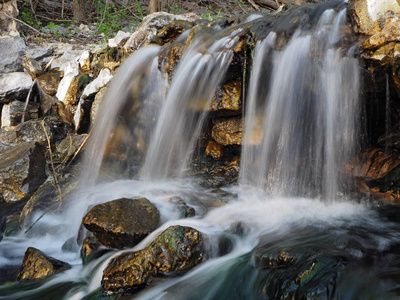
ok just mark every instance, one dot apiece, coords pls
pixel 302 128
pixel 183 113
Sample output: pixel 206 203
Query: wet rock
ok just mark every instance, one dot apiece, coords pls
pixel 122 223
pixel 185 211
pixel 148 29
pixel 34 131
pixel 101 81
pixel 49 82
pixel 67 88
pixel 177 250
pixel 22 171
pixel 214 149
pixel 14 86
pixel 96 104
pixel 32 67
pixel 228 98
pixel 280 259
pixel 119 40
pixel 365 13
pixel 227 131
pixel 92 249
pixel 48 196
pixel 69 147
pixel 11 52
pixel 13 112
pixel 37 265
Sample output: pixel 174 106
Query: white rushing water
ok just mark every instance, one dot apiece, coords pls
pixel 304 127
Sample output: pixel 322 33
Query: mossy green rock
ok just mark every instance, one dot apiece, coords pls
pixel 123 222
pixel 177 250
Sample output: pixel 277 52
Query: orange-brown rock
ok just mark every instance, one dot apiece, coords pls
pixel 37 265
pixel 214 150
pixel 174 252
pixel 123 222
pixel 228 131
pixel 228 98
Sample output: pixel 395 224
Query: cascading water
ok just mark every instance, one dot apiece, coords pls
pixel 304 126
pixel 279 239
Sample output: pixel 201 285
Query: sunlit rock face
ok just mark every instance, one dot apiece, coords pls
pixel 366 12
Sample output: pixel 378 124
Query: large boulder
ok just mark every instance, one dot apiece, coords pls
pixel 22 171
pixel 37 265
pixel 123 222
pixel 14 86
pixel 11 52
pixel 177 250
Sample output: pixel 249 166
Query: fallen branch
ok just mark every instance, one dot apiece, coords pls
pixel 79 149
pixel 256 7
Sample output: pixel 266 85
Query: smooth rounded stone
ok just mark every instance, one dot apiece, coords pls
pixel 12 113
pixel 174 252
pixel 228 131
pixel 214 150
pixel 123 222
pixel 14 86
pixel 11 52
pixel 22 171
pixel 366 12
pixel 37 265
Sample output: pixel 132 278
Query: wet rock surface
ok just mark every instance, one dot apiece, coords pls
pixel 122 223
pixel 37 265
pixel 22 171
pixel 228 131
pixel 174 252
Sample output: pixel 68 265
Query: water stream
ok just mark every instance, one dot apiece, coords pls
pixel 302 124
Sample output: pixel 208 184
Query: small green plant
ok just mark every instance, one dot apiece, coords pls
pixel 211 14
pixel 176 9
pixel 51 25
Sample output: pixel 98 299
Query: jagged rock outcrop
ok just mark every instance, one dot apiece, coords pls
pixel 11 52
pixel 37 265
pixel 123 222
pixel 174 252
pixel 14 86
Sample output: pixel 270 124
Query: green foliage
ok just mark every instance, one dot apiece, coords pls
pixel 211 14
pixel 110 16
pixel 175 8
